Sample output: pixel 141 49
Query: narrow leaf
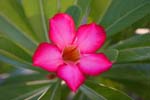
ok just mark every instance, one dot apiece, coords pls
pixel 112 54
pixel 107 92
pixel 34 12
pixel 84 5
pixel 17 86
pixel 75 12
pixel 98 9
pixel 16 35
pixel 63 5
pixel 54 93
pixel 120 16
pixel 133 42
pixel 138 72
pixel 13 11
pixel 134 54
pixel 13 48
pixel 50 9
pixel 93 95
pixel 15 61
pixel 33 95
pixel 85 9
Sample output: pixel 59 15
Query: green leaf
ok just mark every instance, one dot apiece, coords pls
pixel 19 90
pixel 50 9
pixel 13 11
pixel 129 31
pixel 106 93
pixel 75 12
pixel 85 9
pixel 27 79
pixel 84 5
pixel 80 96
pixel 134 54
pixel 33 95
pixel 92 94
pixel 54 93
pixel 62 5
pixel 134 71
pixel 16 86
pixel 122 14
pixel 112 54
pixel 15 61
pixel 6 68
pixel 134 87
pixel 34 12
pixel 65 92
pixel 132 76
pixel 16 35
pixel 13 48
pixel 133 42
pixel 98 8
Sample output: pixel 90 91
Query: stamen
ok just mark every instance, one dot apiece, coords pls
pixel 71 53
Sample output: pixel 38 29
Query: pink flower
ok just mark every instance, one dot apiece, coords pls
pixel 72 54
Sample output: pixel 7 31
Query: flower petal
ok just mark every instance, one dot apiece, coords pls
pixel 94 64
pixel 62 30
pixel 71 75
pixel 48 57
pixel 90 37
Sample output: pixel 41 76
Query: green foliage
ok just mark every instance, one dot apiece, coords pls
pixel 134 77
pixel 100 92
pixel 34 12
pixel 24 24
pixel 122 13
pixel 134 54
pixel 75 12
pixel 18 86
pixel 15 34
pixel 54 92
pixel 98 9
pixel 12 48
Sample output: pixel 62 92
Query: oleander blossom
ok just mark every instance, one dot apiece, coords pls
pixel 72 54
